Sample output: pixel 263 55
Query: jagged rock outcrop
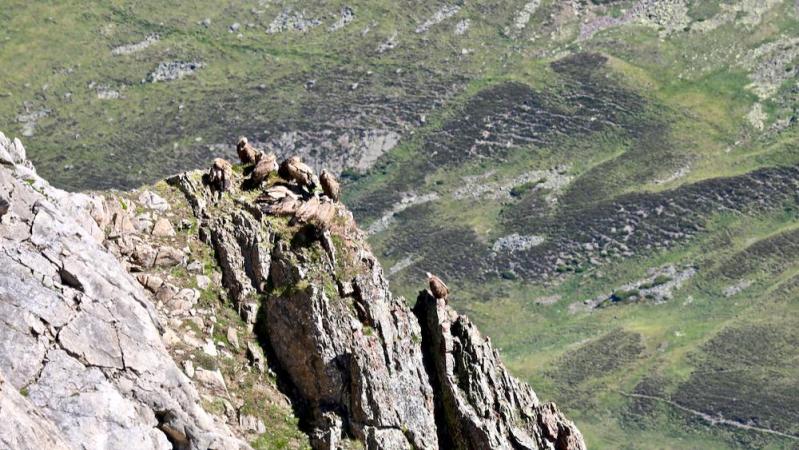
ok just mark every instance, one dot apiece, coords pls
pixel 479 404
pixel 82 360
pixel 353 355
pixel 346 345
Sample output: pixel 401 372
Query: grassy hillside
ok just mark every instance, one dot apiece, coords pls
pixel 609 187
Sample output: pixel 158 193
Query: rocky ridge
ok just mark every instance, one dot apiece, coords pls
pixel 316 319
pixel 359 362
pixel 82 361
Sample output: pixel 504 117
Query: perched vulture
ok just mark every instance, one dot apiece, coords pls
pixel 293 169
pixel 220 175
pixel 247 153
pixel 266 164
pixel 317 212
pixel 330 185
pixel 437 287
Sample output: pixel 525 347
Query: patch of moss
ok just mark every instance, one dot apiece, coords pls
pixel 623 295
pixel 205 361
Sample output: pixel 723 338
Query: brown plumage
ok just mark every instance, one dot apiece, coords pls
pixel 315 211
pixel 293 169
pixel 221 175
pixel 247 153
pixel 437 287
pixel 330 185
pixel 266 164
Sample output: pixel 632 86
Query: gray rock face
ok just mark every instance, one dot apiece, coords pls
pixel 356 359
pixel 359 352
pixel 23 425
pixel 479 404
pixel 79 335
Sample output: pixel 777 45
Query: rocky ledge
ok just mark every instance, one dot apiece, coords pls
pixel 82 361
pixel 89 355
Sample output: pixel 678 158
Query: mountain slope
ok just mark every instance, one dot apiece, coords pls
pixel 280 320
pixel 608 186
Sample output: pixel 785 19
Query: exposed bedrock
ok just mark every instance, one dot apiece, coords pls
pixel 82 364
pixel 350 354
pixel 478 403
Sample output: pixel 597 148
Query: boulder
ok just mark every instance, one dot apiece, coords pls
pixel 256 356
pixel 151 200
pixel 167 256
pixel 233 337
pixel 163 228
pixel 151 282
pixel 251 424
pixel 211 380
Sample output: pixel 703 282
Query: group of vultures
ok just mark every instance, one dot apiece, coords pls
pixel 296 197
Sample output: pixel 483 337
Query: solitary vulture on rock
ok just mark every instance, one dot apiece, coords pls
pixel 437 287
pixel 266 164
pixel 247 153
pixel 330 185
pixel 293 169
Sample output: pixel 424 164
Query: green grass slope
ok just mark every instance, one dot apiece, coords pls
pixel 609 187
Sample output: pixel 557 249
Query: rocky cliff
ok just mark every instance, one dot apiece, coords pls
pixel 264 309
pixel 82 361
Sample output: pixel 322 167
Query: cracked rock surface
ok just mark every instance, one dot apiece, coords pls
pixel 83 361
pixel 82 364
pixel 346 345
pixel 479 404
pixel 356 361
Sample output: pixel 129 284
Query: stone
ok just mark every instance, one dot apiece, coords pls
pixel 80 338
pixel 233 337
pixel 256 356
pixel 190 339
pixel 163 228
pixel 143 223
pixel 166 293
pixel 250 312
pixel 167 256
pixel 144 255
pixel 151 282
pixel 172 70
pixel 23 425
pixel 188 367
pixel 203 282
pixel 252 424
pixel 121 225
pixel 211 380
pixel 209 348
pixel 170 338
pixel 151 200
pixel 195 267
pixel 182 301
